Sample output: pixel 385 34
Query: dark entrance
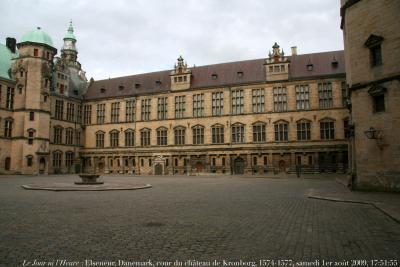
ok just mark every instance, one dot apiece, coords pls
pixel 199 166
pixel 238 166
pixel 158 169
pixel 7 164
pixel 42 165
pixel 282 166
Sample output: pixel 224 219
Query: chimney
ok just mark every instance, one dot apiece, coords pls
pixel 11 43
pixel 294 50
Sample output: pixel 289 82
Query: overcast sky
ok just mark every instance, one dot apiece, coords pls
pixel 124 37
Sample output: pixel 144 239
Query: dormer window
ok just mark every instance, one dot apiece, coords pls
pixel 335 63
pixel 121 87
pixel 214 76
pixel 103 90
pixel 137 85
pixel 240 74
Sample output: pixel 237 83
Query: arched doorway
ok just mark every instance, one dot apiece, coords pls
pixel 199 166
pixel 42 165
pixel 282 166
pixel 238 166
pixel 158 169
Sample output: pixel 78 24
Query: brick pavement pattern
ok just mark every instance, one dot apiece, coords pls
pixel 202 218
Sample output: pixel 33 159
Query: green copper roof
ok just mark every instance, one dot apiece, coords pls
pixel 70 32
pixel 5 62
pixel 37 36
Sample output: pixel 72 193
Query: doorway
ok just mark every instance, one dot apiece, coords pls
pixel 238 166
pixel 42 165
pixel 158 169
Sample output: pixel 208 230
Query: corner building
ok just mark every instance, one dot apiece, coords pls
pixel 246 117
pixel 372 53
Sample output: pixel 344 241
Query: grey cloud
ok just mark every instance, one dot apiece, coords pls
pixel 122 37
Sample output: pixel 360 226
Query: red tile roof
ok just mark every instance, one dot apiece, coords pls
pixel 227 74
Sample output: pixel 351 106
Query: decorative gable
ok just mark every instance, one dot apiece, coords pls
pixel 180 76
pixel 373 40
pixel 276 65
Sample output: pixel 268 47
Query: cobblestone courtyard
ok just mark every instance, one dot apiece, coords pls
pixel 197 218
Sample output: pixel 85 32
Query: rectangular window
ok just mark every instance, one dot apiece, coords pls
pixel 303 130
pixel 258 100
pixel 302 97
pixel 162 108
pixel 281 132
pixel 145 138
pixel 30 137
pixel 179 106
pixel 29 161
pixel 115 112
pixel 237 102
pixel 101 113
pixel 217 134
pixel 237 133
pixel 69 136
pixel 327 130
pixel 162 137
pixel 129 138
pixel 59 110
pixel 87 114
pixel 35 52
pixel 198 105
pixel 218 104
pixel 8 128
pixel 31 116
pixel 179 136
pixel 344 94
pixel 259 135
pixel 146 105
pixel 325 95
pixel 10 98
pixel 130 110
pixel 280 99
pixel 376 55
pixel 79 113
pixel 379 103
pixel 69 159
pixel 100 140
pixel 114 139
pixel 198 135
pixel 57 138
pixel 70 112
pixel 78 137
pixel 57 159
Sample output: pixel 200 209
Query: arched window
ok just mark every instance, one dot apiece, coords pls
pixel 100 139
pixel 129 137
pixel 179 133
pixel 114 138
pixel 259 134
pixel 198 134
pixel 217 133
pixel 303 130
pixel 162 136
pixel 145 137
pixel 237 131
pixel 281 131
